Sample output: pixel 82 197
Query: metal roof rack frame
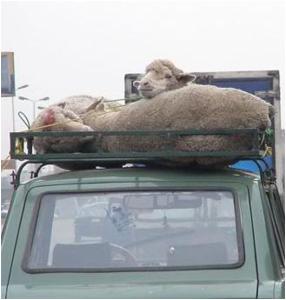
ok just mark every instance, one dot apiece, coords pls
pixel 21 148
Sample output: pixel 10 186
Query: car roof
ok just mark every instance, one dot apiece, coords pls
pixel 144 174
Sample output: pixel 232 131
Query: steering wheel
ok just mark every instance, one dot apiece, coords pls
pixel 130 259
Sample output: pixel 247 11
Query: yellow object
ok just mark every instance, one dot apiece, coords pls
pixel 19 146
pixel 268 151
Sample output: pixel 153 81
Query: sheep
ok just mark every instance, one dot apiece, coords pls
pixel 193 106
pixel 65 116
pixel 175 105
pixel 162 75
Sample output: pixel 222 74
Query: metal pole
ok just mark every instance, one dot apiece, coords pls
pixel 34 110
pixel 13 114
pixel 14 128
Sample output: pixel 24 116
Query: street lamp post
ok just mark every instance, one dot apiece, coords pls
pixel 34 103
pixel 13 105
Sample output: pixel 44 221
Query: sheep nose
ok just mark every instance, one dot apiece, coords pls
pixel 136 84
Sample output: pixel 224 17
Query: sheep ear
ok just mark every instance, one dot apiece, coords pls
pixel 62 105
pixel 96 105
pixel 186 77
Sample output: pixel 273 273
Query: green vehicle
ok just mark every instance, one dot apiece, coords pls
pixel 143 231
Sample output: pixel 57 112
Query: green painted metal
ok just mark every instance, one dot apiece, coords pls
pixel 119 156
pixel 134 132
pixel 9 236
pixel 269 266
pixel 142 175
pixel 176 284
pixel 257 277
pixel 105 158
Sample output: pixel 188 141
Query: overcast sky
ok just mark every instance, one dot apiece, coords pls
pixel 64 48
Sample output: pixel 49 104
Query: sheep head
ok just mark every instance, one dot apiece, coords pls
pixel 162 75
pixel 57 118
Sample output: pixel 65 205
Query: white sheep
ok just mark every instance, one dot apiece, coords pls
pixel 64 116
pixel 174 106
pixel 162 75
pixel 189 107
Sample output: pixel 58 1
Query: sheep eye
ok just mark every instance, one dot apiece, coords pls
pixel 168 76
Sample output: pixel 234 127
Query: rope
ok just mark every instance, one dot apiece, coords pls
pixel 53 124
pixel 47 126
pixel 123 99
pixel 24 118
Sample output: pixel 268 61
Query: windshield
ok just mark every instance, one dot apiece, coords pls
pixel 135 230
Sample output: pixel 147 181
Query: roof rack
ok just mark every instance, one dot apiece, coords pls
pixel 21 147
pixel 21 140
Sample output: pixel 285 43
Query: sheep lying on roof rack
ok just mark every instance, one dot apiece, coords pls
pixel 64 116
pixel 67 114
pixel 174 106
pixel 190 107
